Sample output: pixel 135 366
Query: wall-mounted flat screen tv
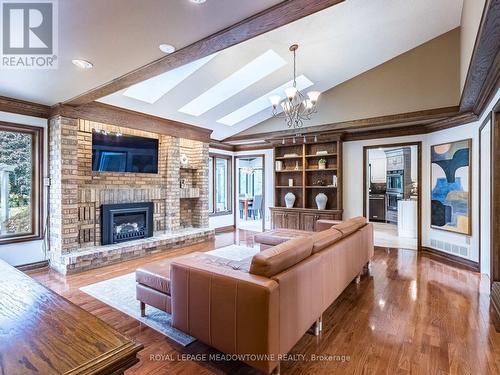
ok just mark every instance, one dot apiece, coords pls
pixel 124 153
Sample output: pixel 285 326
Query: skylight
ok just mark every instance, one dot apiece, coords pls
pixel 153 89
pixel 251 73
pixel 262 103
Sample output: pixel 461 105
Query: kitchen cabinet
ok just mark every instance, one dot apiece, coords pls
pixel 377 207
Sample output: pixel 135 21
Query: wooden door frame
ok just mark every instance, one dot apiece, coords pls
pixel 236 193
pixel 495 212
pixel 418 144
pixel 490 119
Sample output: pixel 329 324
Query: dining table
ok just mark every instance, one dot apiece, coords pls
pixel 246 203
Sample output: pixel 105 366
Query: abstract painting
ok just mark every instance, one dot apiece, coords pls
pixel 450 184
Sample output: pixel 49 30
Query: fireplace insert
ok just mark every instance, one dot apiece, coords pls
pixel 126 222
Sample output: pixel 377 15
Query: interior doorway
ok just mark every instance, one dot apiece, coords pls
pixel 392 181
pixel 250 192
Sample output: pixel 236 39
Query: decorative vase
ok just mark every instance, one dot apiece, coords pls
pixel 289 199
pixel 321 200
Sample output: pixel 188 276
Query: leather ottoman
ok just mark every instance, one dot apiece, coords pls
pixel 153 286
pixel 278 236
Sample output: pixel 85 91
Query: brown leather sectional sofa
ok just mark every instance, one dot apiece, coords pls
pixel 260 307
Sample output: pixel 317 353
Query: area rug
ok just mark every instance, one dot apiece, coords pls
pixel 235 252
pixel 119 292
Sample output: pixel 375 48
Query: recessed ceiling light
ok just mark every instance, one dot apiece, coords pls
pixel 82 64
pixel 167 48
pixel 198 1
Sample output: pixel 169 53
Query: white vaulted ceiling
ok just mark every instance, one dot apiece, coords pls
pixel 336 45
pixel 118 36
pixel 226 92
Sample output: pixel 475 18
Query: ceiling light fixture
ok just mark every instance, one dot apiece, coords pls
pixel 167 48
pixel 296 106
pixel 82 64
pixel 198 1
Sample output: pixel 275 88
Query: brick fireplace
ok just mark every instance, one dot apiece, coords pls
pixel 77 195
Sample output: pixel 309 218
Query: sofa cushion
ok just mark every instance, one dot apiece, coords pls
pixel 277 236
pixel 323 239
pixel 351 225
pixel 280 257
pixel 237 265
pixel 155 275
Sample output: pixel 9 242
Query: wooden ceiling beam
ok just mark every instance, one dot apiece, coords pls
pixel 402 119
pixel 272 18
pixel 23 107
pixel 108 114
pixel 483 76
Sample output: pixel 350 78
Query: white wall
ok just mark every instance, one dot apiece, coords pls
pixel 32 251
pixel 353 177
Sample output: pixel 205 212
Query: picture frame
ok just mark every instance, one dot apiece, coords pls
pixel 451 186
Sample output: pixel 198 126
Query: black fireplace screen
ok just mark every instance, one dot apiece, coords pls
pixel 126 222
pixel 128 226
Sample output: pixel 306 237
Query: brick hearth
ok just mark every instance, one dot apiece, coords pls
pixel 77 193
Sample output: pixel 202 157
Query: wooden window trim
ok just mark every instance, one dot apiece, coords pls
pixel 229 159
pixel 37 209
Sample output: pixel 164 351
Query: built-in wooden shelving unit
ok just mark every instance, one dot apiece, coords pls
pixel 301 165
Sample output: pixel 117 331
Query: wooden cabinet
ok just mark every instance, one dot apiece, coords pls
pixel 282 219
pixel 309 221
pixel 278 220
pixel 292 220
pixel 304 219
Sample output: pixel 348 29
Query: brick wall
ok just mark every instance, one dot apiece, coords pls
pixel 77 193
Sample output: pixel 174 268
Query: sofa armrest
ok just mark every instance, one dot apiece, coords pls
pixel 230 310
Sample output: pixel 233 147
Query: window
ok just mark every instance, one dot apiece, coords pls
pixel 250 183
pixel 20 182
pixel 219 187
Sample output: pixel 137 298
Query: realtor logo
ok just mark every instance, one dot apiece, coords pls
pixel 29 34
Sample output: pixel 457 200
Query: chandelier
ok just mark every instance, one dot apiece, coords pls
pixel 296 107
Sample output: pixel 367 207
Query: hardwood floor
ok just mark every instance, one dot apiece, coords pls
pixel 409 315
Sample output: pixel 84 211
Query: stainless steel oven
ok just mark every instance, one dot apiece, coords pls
pixel 395 181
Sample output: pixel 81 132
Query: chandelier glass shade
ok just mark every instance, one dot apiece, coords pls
pixel 295 107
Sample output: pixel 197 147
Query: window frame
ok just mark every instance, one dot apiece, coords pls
pixel 229 184
pixel 37 198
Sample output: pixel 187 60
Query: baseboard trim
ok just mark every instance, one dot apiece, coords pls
pixel 495 302
pixel 450 259
pixel 33 266
pixel 227 228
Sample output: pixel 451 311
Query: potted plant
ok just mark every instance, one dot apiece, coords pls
pixel 322 164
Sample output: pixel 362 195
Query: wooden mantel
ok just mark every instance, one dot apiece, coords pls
pixel 43 333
